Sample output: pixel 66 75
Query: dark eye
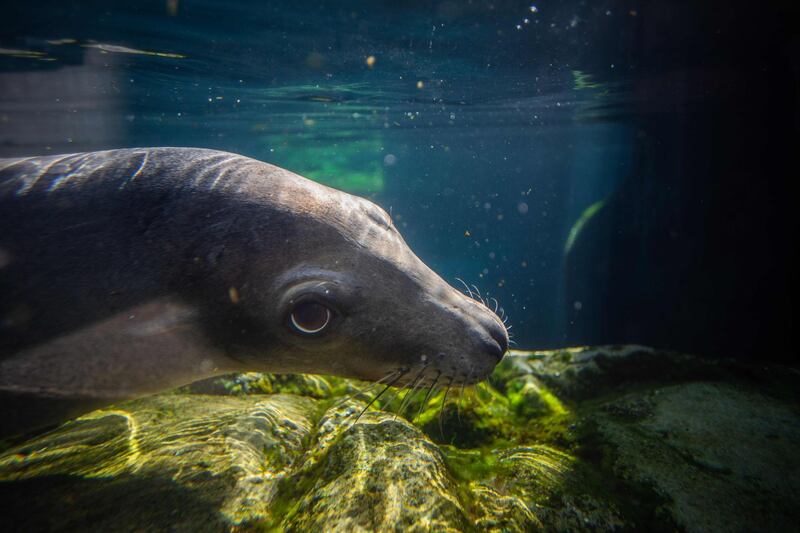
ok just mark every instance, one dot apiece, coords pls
pixel 310 317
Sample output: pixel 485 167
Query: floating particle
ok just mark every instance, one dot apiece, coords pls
pixel 467 233
pixel 370 61
pixel 534 9
pixel 390 160
pixel 522 208
pixel 578 305
pixel 420 84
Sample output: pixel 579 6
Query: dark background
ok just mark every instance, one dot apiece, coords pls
pixel 681 117
pixel 702 233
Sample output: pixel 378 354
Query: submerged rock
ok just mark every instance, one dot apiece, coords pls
pixel 588 439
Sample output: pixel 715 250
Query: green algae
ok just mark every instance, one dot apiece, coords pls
pixel 580 223
pixel 583 81
pixel 347 163
pixel 580 439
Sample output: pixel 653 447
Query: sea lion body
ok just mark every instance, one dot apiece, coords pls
pixel 127 272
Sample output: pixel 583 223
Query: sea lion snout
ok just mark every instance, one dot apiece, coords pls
pixel 484 339
pixel 490 322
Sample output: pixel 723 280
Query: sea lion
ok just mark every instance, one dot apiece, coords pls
pixel 128 272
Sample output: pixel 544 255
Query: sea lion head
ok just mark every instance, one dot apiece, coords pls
pixel 330 286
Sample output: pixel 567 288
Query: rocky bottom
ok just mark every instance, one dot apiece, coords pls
pixel 585 439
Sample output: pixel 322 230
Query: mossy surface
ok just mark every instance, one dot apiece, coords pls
pixel 585 439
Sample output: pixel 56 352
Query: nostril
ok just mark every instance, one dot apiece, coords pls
pixel 500 335
pixel 495 349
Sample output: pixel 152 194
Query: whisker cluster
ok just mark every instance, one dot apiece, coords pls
pixel 473 292
pixel 419 381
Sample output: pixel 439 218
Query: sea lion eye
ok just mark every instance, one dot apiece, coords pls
pixel 310 317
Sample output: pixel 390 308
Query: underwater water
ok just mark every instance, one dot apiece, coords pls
pixel 609 173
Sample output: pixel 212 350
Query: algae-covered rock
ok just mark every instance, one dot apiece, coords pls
pixel 586 439
pixel 721 457
pixel 193 462
pixel 380 475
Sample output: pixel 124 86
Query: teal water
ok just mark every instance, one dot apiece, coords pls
pixel 496 133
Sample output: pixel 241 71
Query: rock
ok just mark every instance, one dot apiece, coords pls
pixel 585 439
pixel 718 455
pixel 380 475
pixel 165 462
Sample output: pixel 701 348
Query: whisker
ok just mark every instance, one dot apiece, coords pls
pixel 403 403
pixel 512 341
pixel 479 294
pixel 496 305
pixel 458 402
pixel 414 385
pixel 461 393
pixel 441 409
pixel 466 287
pixel 427 396
pixel 367 388
pixel 393 397
pixel 395 380
pixel 357 393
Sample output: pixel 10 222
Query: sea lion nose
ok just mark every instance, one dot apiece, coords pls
pixel 499 334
